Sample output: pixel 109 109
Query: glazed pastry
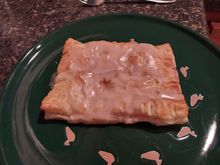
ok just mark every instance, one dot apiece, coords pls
pixel 101 82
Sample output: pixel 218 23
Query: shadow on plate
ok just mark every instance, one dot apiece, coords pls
pixel 140 126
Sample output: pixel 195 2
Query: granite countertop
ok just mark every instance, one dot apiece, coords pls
pixel 24 22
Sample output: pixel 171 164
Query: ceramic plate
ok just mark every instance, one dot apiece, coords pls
pixel 25 138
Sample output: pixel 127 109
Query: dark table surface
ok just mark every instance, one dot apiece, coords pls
pixel 24 22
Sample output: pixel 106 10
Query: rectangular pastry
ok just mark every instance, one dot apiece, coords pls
pixel 101 82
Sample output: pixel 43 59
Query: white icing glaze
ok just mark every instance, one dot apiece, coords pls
pixel 120 77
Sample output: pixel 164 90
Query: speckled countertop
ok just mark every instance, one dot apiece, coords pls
pixel 24 22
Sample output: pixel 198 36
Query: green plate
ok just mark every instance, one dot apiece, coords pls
pixel 25 138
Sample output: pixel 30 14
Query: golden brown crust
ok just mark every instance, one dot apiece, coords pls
pixel 65 60
pixel 57 99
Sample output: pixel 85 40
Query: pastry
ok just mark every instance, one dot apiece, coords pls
pixel 101 82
